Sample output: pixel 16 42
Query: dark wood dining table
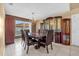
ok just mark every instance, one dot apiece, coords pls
pixel 38 38
pixel 36 35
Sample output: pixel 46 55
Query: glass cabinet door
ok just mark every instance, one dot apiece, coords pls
pixel 57 23
pixel 42 26
pixel 51 24
pixel 46 24
pixel 67 27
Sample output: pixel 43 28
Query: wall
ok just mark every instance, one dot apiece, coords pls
pixel 75 27
pixel 74 11
pixel 38 25
pixel 2 29
pixel 34 26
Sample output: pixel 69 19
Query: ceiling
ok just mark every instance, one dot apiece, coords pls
pixel 35 10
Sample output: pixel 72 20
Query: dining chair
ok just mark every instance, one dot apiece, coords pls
pixel 27 40
pixel 23 38
pixel 48 40
pixel 22 35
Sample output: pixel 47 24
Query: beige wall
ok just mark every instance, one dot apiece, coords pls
pixel 75 11
pixel 38 24
pixel 2 29
pixel 74 26
pixel 33 26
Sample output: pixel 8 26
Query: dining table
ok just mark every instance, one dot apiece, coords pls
pixel 38 37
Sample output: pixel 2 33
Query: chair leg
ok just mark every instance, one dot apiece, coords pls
pixel 24 45
pixel 51 47
pixel 21 42
pixel 27 49
pixel 47 49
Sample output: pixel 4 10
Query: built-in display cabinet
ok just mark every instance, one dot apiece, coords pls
pixel 61 28
pixel 66 31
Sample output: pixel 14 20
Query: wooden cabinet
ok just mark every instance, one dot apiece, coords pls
pixel 58 31
pixel 58 37
pixel 61 28
pixel 9 29
pixel 42 26
pixel 66 31
pixel 54 23
pixel 47 24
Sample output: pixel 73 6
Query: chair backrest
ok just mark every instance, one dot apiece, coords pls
pixel 40 31
pixel 45 32
pixel 26 31
pixel 22 35
pixel 49 37
pixel 25 36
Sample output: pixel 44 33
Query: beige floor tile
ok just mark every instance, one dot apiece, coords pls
pixel 74 51
pixel 17 49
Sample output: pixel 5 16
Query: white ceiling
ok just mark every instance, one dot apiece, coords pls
pixel 40 10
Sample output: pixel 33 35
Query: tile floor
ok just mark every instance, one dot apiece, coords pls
pixel 16 49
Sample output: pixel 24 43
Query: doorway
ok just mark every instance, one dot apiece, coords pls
pixel 21 24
